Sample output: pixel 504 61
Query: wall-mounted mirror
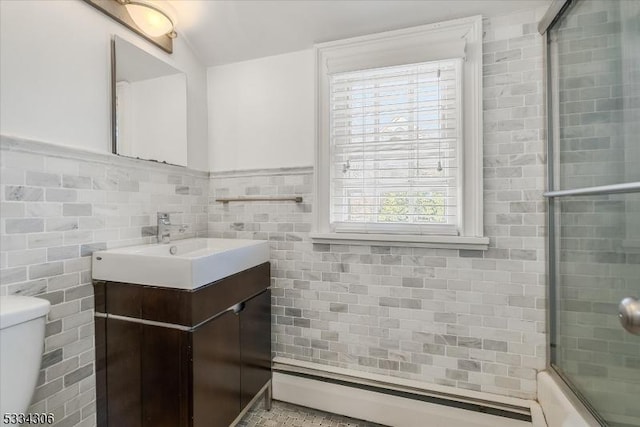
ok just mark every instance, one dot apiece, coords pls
pixel 149 110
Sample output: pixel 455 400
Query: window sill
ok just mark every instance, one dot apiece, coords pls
pixel 417 241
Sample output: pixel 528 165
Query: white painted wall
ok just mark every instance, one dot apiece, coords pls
pixel 261 112
pixel 55 76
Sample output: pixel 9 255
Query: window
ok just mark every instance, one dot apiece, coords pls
pixel 399 141
pixel 394 136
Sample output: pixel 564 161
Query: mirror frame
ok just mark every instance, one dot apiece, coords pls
pixel 114 112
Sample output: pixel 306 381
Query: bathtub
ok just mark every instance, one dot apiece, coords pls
pixel 561 407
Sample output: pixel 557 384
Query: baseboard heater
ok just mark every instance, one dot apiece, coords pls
pixel 488 407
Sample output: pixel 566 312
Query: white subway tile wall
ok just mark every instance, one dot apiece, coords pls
pixel 467 319
pixel 52 221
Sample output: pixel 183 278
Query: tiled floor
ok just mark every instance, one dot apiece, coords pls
pixel 288 415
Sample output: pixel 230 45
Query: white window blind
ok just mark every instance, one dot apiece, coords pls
pixel 395 136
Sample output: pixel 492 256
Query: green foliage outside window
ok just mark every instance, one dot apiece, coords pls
pixel 424 207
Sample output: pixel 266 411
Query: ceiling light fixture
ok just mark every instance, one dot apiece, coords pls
pixel 154 21
pixel 151 18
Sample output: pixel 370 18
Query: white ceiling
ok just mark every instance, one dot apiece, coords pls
pixel 224 31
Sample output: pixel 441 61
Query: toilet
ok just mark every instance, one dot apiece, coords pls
pixel 22 324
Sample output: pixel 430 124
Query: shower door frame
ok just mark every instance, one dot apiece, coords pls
pixel 580 402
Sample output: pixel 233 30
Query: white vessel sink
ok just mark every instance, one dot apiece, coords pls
pixel 194 263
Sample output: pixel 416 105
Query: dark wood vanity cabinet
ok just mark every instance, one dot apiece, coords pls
pixel 255 344
pixel 182 358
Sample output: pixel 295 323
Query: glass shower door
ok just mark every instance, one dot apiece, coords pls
pixel 594 204
pixel 597 268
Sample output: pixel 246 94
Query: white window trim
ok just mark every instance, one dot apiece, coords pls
pixel 410 44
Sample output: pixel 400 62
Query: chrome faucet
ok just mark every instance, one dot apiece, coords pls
pixel 165 226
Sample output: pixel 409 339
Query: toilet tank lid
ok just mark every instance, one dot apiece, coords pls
pixel 18 309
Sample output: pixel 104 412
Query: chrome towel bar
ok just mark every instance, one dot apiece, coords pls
pixel 297 199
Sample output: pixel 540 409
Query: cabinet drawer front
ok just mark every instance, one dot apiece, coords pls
pixel 181 306
pixel 229 291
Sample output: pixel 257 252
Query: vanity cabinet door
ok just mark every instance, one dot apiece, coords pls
pixel 255 345
pixel 101 370
pixel 164 377
pixel 216 372
pixel 146 376
pixel 123 387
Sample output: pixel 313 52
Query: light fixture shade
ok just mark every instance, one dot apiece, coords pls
pixel 150 20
